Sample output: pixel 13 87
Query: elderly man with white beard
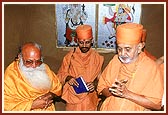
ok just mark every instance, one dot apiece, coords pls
pixel 29 84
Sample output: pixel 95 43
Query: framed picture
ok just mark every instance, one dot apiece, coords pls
pixel 104 19
pixel 68 17
pixel 112 15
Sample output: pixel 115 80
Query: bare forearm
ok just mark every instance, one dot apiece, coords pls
pixel 143 101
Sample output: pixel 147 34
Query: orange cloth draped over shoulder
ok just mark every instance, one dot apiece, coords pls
pixel 19 95
pixel 88 65
pixel 162 70
pixel 160 62
pixel 84 32
pixel 144 78
pixel 149 55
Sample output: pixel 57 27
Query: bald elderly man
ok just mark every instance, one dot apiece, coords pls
pixel 82 61
pixel 29 84
pixel 131 81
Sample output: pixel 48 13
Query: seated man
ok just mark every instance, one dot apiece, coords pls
pixel 29 84
pixel 131 81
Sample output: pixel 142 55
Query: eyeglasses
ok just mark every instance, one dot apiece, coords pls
pixel 31 62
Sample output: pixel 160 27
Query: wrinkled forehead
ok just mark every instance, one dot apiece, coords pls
pixel 30 51
pixel 127 45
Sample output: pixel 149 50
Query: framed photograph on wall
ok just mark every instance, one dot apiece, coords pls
pixel 104 19
pixel 112 15
pixel 68 17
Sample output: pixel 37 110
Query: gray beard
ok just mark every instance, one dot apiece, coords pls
pixel 37 77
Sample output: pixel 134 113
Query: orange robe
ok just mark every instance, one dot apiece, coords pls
pixel 18 93
pixel 149 55
pixel 78 64
pixel 161 66
pixel 162 70
pixel 143 76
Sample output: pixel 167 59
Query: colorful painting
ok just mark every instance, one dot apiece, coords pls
pixel 104 19
pixel 112 15
pixel 68 17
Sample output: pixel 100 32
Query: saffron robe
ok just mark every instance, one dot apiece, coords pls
pixel 19 94
pixel 144 78
pixel 88 65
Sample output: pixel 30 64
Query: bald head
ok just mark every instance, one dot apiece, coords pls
pixel 30 49
pixel 31 52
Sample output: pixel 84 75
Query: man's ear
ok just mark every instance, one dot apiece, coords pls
pixel 143 43
pixel 140 46
pixel 19 55
pixel 92 42
pixel 77 41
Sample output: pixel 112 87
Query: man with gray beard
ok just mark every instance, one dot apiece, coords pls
pixel 29 84
pixel 132 81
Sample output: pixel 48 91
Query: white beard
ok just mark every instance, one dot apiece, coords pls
pixel 125 60
pixel 37 77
